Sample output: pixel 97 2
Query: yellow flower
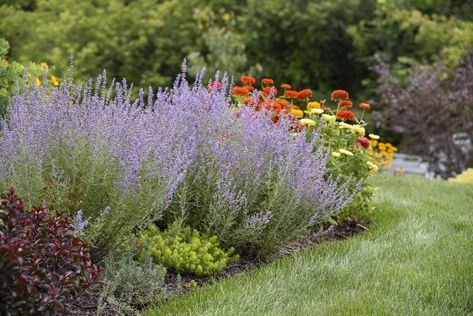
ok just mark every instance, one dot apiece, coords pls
pixel 297 113
pixel 336 154
pixel 372 167
pixel 373 143
pixel 345 125
pixel 313 105
pixel 329 118
pixel 373 136
pixel 44 66
pixel 382 146
pixel 307 122
pixel 359 130
pixel 316 111
pixel 54 81
pixel 346 152
pixel 37 81
pixel 5 62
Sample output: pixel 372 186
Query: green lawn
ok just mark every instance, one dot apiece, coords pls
pixel 416 259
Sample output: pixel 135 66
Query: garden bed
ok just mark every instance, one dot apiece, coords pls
pixel 87 305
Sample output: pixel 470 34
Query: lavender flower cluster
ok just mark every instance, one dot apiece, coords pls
pixel 185 134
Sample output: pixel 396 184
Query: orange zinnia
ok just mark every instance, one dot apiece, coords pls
pixel 249 101
pixel 345 104
pixel 338 95
pixel 267 81
pixel 283 103
pixel 291 94
pixel 304 94
pixel 286 86
pixel 250 88
pixel 267 91
pixel 345 115
pixel 365 106
pixel 240 91
pixel 248 80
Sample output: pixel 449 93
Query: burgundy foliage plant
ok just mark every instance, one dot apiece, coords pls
pixel 43 265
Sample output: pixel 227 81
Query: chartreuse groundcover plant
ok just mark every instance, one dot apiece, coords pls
pixel 416 259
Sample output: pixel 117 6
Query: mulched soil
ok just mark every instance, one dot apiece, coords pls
pixel 174 284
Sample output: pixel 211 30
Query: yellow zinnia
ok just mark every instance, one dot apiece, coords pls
pixel 329 118
pixel 346 152
pixel 313 105
pixel 307 122
pixel 373 136
pixel 297 113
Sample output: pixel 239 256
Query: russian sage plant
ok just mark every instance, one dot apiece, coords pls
pixel 178 154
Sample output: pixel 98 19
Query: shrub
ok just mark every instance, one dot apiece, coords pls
pixel 130 285
pixel 11 74
pixel 43 266
pixel 430 109
pixel 185 251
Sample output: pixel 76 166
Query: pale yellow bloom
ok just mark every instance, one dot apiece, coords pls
pixel 329 118
pixel 307 122
pixel 345 152
pixel 372 166
pixel 359 130
pixel 37 81
pixel 373 136
pixel 316 111
pixel 336 154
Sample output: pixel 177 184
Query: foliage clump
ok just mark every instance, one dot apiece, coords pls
pixel 186 251
pixel 130 285
pixel 43 265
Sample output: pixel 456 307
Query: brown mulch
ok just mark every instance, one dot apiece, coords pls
pixel 87 304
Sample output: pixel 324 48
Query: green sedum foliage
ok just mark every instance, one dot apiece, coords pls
pixel 186 251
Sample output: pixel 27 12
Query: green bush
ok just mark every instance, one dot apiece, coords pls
pixel 186 251
pixel 130 285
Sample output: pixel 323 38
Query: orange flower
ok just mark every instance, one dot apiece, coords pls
pixel 338 95
pixel 249 101
pixel 267 91
pixel 291 94
pixel 304 94
pixel 345 115
pixel 365 106
pixel 326 108
pixel 267 81
pixel 240 91
pixel 345 104
pixel 284 103
pixel 248 80
pixel 286 86
pixel 250 88
pixel 295 107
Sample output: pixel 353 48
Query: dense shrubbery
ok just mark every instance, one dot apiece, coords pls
pixel 43 265
pixel 12 73
pixel 182 154
pixel 185 251
pixel 430 109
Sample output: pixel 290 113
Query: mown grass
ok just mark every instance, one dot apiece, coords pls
pixel 416 259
